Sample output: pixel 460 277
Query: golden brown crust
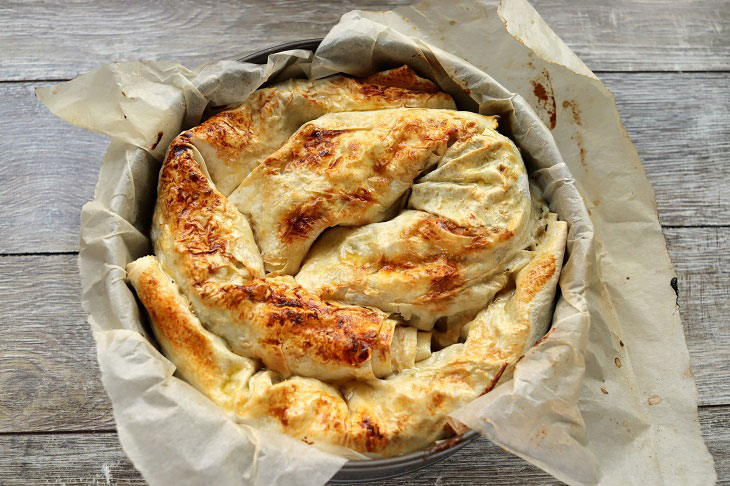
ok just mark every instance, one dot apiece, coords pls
pixel 402 413
pixel 402 77
pixel 469 234
pixel 173 327
pixel 323 177
pixel 301 326
pixel 541 271
pixel 469 219
pixel 201 358
pixel 206 228
pixel 275 320
pixel 409 410
pixel 235 141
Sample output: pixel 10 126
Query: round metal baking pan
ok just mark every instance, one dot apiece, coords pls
pixel 377 469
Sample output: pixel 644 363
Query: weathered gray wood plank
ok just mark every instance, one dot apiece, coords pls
pixel 98 459
pixel 88 459
pixel 47 40
pixel 647 35
pixel 49 170
pixel 51 166
pixel 49 378
pixel 678 123
pixel 701 259
pixel 49 375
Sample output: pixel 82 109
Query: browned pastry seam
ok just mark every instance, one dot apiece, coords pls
pixel 235 141
pixel 289 329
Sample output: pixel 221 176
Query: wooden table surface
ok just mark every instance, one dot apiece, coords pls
pixel 667 62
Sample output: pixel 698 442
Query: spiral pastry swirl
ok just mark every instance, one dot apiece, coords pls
pixel 348 260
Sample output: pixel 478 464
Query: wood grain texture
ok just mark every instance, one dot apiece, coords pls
pixel 98 459
pixel 679 124
pixel 49 378
pixel 49 172
pixel 648 35
pixel 88 459
pixel 51 166
pixel 701 258
pixel 49 40
pixel 58 389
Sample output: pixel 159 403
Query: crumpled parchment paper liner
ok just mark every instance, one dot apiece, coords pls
pixel 578 404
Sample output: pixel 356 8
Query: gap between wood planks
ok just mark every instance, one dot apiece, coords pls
pixel 66 432
pixel 38 253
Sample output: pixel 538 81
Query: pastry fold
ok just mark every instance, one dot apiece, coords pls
pixel 467 221
pixel 207 247
pixel 350 169
pixel 405 412
pixel 348 260
pixel 235 141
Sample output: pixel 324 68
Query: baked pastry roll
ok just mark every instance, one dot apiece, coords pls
pixel 402 413
pixel 208 248
pixel 434 267
pixel 351 168
pixel 201 358
pixel 449 253
pixel 235 141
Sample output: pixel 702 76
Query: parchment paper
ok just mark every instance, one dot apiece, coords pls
pixel 607 397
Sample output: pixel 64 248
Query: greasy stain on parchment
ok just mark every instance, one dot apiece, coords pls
pixel 572 105
pixel 542 88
